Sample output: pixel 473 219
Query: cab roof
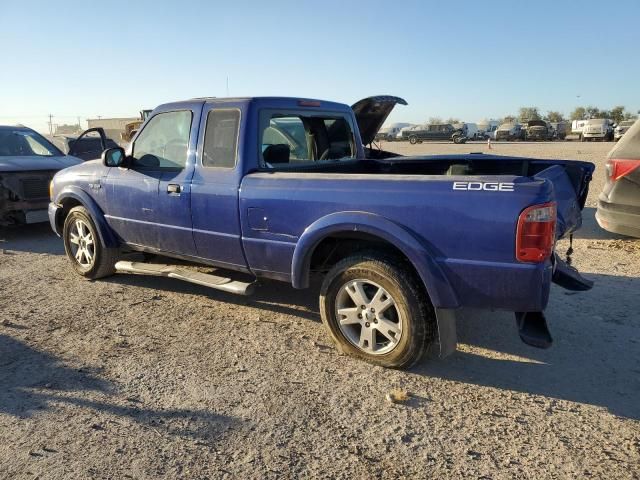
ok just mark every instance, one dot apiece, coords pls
pixel 276 102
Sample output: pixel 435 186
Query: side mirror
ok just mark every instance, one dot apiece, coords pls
pixel 113 157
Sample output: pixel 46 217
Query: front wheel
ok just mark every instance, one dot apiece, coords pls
pixel 413 140
pixel 83 247
pixel 375 309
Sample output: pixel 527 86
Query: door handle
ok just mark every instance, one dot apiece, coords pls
pixel 173 188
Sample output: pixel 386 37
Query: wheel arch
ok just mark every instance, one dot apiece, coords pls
pixel 371 227
pixel 73 196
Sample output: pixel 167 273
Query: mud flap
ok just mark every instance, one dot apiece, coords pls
pixel 533 330
pixel 568 277
pixel 447 334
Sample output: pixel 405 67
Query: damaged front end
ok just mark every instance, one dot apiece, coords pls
pixel 24 197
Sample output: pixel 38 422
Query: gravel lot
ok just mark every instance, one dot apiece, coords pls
pixel 135 377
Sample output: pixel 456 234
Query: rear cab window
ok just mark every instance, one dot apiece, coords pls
pixel 221 138
pixel 293 138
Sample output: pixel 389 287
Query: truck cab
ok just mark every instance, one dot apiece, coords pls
pixel 284 189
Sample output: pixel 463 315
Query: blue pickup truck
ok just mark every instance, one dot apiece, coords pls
pixel 286 188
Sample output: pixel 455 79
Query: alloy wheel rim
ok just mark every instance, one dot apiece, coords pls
pixel 82 244
pixel 368 317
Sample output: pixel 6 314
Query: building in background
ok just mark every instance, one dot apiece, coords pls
pixel 67 129
pixel 113 127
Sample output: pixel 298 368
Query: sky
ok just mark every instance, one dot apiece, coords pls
pixel 465 59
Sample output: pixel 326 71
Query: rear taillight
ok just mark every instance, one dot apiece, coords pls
pixel 535 235
pixel 619 168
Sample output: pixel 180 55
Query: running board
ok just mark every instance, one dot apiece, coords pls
pixel 175 271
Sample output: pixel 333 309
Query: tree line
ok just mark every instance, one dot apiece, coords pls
pixel 617 114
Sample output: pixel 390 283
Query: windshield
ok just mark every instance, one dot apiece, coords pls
pixel 596 121
pixel 25 143
pixel 298 138
pixel 627 123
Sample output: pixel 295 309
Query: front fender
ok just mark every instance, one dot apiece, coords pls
pixel 105 233
pixel 434 280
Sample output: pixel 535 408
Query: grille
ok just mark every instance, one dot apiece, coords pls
pixel 33 188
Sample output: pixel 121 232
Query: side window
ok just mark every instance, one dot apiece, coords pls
pixel 164 142
pixel 221 138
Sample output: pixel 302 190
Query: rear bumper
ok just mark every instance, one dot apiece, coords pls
pixel 54 212
pixel 516 287
pixel 621 219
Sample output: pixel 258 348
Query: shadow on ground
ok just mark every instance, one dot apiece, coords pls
pixel 273 296
pixel 595 358
pixel 35 238
pixel 32 381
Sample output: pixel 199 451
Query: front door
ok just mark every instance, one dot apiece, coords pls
pixel 149 203
pixel 90 144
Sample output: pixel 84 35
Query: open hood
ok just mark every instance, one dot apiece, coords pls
pixel 372 112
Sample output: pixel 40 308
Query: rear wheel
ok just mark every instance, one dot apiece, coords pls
pixel 375 309
pixel 413 140
pixel 83 246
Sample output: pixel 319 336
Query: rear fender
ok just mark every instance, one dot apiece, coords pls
pixel 107 237
pixel 438 288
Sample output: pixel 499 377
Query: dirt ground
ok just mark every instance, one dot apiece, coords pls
pixel 135 377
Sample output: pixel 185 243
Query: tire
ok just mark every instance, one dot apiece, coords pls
pixel 408 315
pixel 413 140
pixel 582 139
pixel 80 233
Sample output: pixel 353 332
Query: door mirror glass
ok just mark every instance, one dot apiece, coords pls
pixel 113 157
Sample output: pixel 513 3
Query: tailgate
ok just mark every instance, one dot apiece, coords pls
pixel 571 185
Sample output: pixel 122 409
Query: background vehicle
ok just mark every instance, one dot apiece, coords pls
pixel 469 130
pixel 577 127
pixel 89 145
pixel 622 128
pixel 510 131
pixel 487 129
pixel 598 129
pixel 390 132
pixel 131 128
pixel 619 203
pixel 560 129
pixel 28 162
pixel 440 131
pixel 538 130
pixel 216 182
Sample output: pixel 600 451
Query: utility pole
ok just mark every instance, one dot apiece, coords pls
pixel 50 124
pixel 79 127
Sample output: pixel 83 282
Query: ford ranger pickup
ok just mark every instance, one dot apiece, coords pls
pixel 286 189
